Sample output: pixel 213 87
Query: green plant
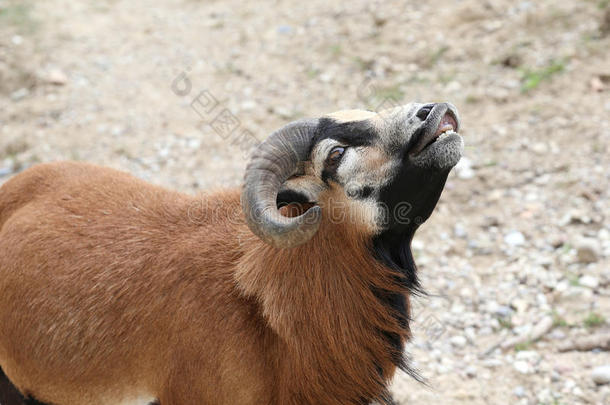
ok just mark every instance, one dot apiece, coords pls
pixel 17 14
pixel 336 50
pixel 523 346
pixel 363 64
pixel 573 280
pixel 531 78
pixel 506 323
pixel 435 56
pixel 558 320
pixel 593 320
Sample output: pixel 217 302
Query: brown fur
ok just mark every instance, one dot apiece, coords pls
pixel 112 289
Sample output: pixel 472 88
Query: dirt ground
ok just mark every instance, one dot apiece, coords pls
pixel 521 233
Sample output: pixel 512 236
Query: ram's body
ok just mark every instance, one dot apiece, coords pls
pixel 105 276
pixel 114 291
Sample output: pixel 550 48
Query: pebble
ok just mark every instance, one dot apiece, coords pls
pixel 493 363
pixel 503 311
pixel 540 148
pixel 459 230
pixel 523 367
pixel 464 169
pixel 588 281
pixel 20 94
pixel 471 371
pixel 458 341
pixel 587 251
pixel 530 356
pixel 514 238
pixel 520 305
pixel 519 391
pixel 248 105
pixel 601 375
pixel 56 77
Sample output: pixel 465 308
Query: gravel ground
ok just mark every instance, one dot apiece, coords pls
pixel 516 258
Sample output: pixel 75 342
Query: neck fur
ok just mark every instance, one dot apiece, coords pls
pixel 340 312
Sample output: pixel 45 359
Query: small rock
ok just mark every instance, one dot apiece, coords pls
pixel 557 335
pixel 530 356
pixel 471 371
pixel 540 148
pixel 557 242
pixel 326 77
pixel 503 311
pixel 284 29
pixel 587 251
pixel 248 105
pixel 464 169
pixel 56 77
pixel 588 281
pixel 555 377
pixel 523 367
pixel 493 363
pixel 601 375
pixel 19 94
pixel 283 112
pixel 454 86
pixel 597 84
pixel 458 341
pixel 459 230
pixel 514 238
pixel 521 305
pixel 490 221
pixel 519 391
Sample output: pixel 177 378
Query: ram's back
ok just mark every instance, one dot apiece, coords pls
pixel 91 255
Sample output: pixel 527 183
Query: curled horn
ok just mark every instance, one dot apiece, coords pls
pixel 272 163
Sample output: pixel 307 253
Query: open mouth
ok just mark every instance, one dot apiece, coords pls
pixel 439 125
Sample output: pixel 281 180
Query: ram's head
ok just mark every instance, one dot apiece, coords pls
pixel 384 172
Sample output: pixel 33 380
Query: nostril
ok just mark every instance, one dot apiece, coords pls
pixel 422 114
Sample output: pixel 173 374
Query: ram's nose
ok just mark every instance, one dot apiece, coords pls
pixel 423 112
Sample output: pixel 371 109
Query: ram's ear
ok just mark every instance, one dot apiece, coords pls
pixel 301 191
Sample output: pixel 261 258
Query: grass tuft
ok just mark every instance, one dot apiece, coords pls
pixel 519 347
pixel 594 320
pixel 531 78
pixel 17 14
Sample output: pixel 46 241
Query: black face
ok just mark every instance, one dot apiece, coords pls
pixel 411 197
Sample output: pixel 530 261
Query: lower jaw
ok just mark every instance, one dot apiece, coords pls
pixel 442 155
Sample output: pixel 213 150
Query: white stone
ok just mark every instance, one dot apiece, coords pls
pixel 523 367
pixel 530 356
pixel 514 238
pixel 458 341
pixel 464 169
pixel 601 374
pixel 519 391
pixel 588 281
pixel 19 94
pixel 471 371
pixel 540 148
pixel 520 304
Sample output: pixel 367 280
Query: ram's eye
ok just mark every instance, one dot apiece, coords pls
pixel 335 155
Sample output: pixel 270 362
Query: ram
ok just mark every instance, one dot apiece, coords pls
pixel 293 290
